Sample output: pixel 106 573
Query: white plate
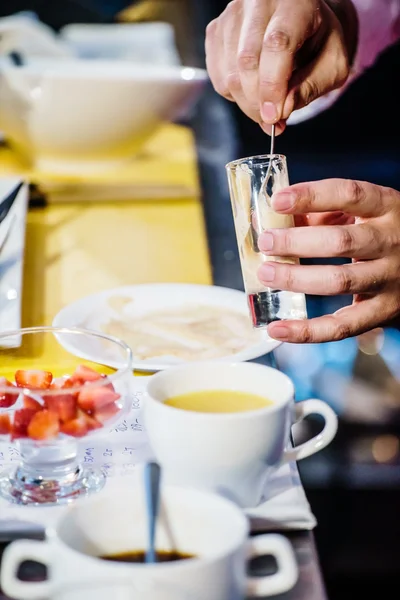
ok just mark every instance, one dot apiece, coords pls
pixel 93 311
pixel 12 245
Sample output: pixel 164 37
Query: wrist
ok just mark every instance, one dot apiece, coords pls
pixel 346 14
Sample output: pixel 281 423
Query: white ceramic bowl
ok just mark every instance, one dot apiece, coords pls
pixel 74 115
pixel 143 43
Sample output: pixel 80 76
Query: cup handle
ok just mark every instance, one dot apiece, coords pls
pixel 320 441
pixel 15 554
pixel 287 573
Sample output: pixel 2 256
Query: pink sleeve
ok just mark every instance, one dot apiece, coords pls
pixel 379 28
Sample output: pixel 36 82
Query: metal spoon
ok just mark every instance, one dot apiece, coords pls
pixel 271 152
pixel 152 485
pixel 251 240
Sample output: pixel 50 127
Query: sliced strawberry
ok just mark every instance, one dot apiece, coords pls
pixel 83 374
pixel 90 421
pixel 5 424
pixel 22 418
pixel 62 383
pixel 109 385
pixel 106 412
pixel 7 400
pixel 43 426
pixel 68 384
pixel 33 379
pixel 76 427
pixel 62 405
pixel 32 404
pixel 91 399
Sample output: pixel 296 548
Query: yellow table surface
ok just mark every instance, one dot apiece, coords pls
pixel 73 250
pixel 165 168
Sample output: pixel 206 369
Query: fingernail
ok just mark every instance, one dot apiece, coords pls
pixel 268 112
pixel 266 242
pixel 283 200
pixel 278 332
pixel 266 273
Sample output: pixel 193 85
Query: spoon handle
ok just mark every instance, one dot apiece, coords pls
pixel 152 485
pixel 271 152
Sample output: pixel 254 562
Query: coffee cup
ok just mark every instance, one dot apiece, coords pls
pixel 232 453
pixel 203 525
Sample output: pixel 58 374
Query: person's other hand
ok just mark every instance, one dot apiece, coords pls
pixel 274 56
pixel 350 219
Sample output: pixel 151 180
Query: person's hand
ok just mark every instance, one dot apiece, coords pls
pixel 274 56
pixel 350 219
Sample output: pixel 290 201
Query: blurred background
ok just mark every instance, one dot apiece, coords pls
pixel 354 486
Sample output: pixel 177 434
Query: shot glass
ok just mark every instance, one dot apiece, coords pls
pixel 251 204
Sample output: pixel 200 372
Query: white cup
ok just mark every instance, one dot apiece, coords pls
pixel 229 453
pixel 206 525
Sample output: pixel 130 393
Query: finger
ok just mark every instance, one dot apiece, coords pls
pixel 329 218
pixel 280 127
pixel 357 198
pixel 328 280
pixel 300 220
pixel 362 241
pixel 249 104
pixel 327 72
pixel 347 322
pixel 255 20
pixel 290 26
pixel 372 341
pixel 214 53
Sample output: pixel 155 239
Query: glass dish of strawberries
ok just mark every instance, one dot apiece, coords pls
pixel 46 410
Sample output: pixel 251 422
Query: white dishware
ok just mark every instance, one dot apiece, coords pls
pixel 201 524
pixel 143 43
pixel 76 116
pixel 123 452
pixel 230 453
pixel 95 311
pixel 26 34
pixel 12 247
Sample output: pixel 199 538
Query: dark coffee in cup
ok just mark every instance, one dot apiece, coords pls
pixel 139 556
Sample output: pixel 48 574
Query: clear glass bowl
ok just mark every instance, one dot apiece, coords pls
pixel 50 400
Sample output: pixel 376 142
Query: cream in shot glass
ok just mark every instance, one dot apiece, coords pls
pixel 252 213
